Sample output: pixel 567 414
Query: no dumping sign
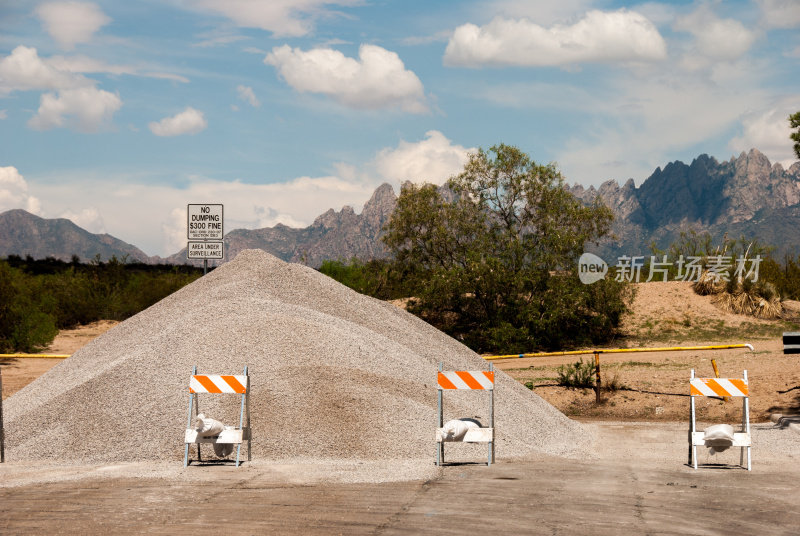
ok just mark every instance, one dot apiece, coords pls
pixel 205 222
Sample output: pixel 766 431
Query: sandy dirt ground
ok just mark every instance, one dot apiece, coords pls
pixel 654 386
pixel 650 386
pixel 17 373
pixel 636 481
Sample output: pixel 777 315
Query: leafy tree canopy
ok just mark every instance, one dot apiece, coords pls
pixel 492 256
pixel 794 123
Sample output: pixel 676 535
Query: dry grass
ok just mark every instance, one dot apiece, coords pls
pixel 746 303
pixel 759 300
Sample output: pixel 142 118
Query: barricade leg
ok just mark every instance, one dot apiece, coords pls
pixel 692 428
pixel 189 421
pixel 440 445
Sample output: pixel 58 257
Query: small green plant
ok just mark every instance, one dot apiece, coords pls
pixel 612 380
pixel 578 375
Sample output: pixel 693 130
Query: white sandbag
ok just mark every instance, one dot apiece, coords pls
pixel 456 429
pixel 206 426
pixel 718 437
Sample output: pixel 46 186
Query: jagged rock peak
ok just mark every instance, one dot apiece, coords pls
pixel 381 203
pixel 382 193
pixel 326 219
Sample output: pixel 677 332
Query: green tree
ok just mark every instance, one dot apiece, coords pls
pixel 23 326
pixel 492 258
pixel 794 123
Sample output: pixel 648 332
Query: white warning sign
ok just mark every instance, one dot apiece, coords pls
pixel 204 250
pixel 205 222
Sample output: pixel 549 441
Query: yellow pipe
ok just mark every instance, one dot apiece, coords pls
pixel 621 350
pixel 42 356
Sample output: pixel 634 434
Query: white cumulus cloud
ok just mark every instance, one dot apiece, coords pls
pixel 294 202
pixel 768 131
pixel 86 109
pixel 189 121
pixel 543 12
pixel 598 37
pixel 70 23
pixel 71 101
pixel 377 79
pixel 292 18
pixel 24 70
pixel 88 218
pixel 247 95
pixel 679 111
pixel 433 159
pixel 714 38
pixel 781 13
pixel 14 192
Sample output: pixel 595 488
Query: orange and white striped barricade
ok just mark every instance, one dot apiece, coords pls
pixel 721 387
pixel 219 384
pixel 468 380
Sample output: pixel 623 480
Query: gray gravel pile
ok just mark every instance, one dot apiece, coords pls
pixel 334 374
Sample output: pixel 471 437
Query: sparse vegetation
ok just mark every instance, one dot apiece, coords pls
pixel 39 297
pixel 377 278
pixel 711 330
pixel 579 375
pixel 612 379
pixel 735 287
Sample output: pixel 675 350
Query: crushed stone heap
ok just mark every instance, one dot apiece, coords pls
pixel 334 374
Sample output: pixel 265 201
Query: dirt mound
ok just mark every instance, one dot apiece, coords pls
pixel 334 374
pixel 673 307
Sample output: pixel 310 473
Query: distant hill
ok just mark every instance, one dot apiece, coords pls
pixel 22 233
pixel 746 195
pixel 333 235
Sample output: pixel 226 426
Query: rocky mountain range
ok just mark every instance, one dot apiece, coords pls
pixel 744 196
pixel 333 235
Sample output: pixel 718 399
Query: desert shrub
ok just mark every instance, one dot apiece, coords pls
pixel 577 375
pixel 32 331
pixel 24 327
pixel 378 278
pixel 38 297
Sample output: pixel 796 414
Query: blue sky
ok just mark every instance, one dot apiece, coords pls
pixel 117 114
